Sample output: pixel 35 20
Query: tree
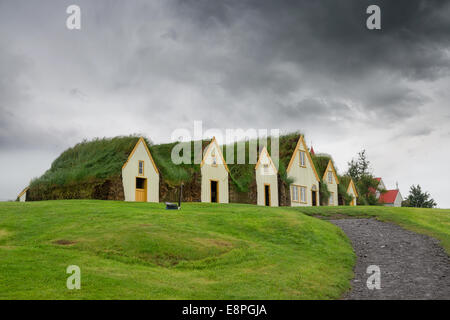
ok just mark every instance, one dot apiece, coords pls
pixel 324 193
pixel 360 167
pixel 360 172
pixel 419 199
pixel 366 186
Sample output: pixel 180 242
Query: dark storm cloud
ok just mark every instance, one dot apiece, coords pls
pixel 279 47
pixel 258 53
pixel 313 109
pixel 320 35
pixel 19 127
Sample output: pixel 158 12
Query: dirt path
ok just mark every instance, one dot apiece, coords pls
pixel 412 266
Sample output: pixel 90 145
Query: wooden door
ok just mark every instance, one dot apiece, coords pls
pixel 141 190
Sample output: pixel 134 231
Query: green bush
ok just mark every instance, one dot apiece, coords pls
pixel 324 193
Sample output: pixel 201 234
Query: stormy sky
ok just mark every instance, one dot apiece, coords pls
pixel 150 67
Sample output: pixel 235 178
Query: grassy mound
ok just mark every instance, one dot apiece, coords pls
pixel 141 251
pixel 99 158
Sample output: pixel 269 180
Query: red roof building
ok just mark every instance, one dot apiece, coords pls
pixel 391 198
pixel 379 187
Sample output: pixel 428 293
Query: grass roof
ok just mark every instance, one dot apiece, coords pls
pixel 345 180
pixel 242 175
pixel 102 158
pixel 98 158
pixel 172 173
pixel 320 161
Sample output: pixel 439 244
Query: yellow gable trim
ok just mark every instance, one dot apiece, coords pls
pixel 291 162
pixel 141 139
pixel 220 152
pixel 352 184
pixel 330 164
pixel 268 156
pixel 23 191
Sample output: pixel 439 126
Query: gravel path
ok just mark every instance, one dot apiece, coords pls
pixel 412 266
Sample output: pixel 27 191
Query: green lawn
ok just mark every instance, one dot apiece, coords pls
pixel 141 251
pixel 432 222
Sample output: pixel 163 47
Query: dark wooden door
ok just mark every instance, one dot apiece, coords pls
pixel 214 191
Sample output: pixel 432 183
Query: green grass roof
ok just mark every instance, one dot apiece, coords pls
pixel 320 161
pixel 345 181
pixel 98 158
pixel 104 158
pixel 242 175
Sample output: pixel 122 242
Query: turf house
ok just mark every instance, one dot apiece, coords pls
pixel 131 168
pixel 266 180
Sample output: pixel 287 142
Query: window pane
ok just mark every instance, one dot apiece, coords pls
pixel 140 183
pixel 294 193
pixel 302 158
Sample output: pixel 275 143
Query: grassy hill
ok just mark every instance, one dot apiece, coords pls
pixel 204 251
pixel 141 251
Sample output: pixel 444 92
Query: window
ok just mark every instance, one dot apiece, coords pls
pixel 141 168
pixel 302 159
pixel 295 193
pixel 298 194
pixel 140 183
pixel 330 177
pixel 303 194
pixel 266 168
pixel 331 200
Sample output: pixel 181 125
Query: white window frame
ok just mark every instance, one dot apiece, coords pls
pixel 295 193
pixel 302 156
pixel 139 167
pixel 303 194
pixel 330 176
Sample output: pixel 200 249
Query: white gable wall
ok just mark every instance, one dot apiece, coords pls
pixel 332 187
pixel 266 178
pixel 303 176
pixel 216 172
pixel 23 197
pixel 398 200
pixel 131 171
pixel 351 192
pixel 380 187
